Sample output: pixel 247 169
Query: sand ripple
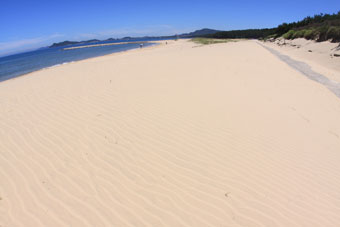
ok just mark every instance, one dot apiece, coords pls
pixel 220 135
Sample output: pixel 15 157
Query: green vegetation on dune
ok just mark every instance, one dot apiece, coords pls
pixel 207 41
pixel 323 33
pixel 320 27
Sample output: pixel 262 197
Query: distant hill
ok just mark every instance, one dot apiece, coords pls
pixel 64 43
pixel 197 33
pixel 67 43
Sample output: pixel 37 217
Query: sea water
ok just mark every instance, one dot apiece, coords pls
pixel 23 63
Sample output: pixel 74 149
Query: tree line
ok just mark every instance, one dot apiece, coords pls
pixel 319 27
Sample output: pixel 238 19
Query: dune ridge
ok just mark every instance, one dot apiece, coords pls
pixel 173 135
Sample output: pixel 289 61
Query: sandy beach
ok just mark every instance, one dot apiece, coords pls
pixel 323 57
pixel 170 135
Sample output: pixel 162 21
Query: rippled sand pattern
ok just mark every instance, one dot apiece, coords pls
pixel 173 135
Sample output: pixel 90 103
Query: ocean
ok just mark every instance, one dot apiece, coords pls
pixel 23 63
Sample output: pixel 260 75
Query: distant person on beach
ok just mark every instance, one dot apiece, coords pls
pixel 141 45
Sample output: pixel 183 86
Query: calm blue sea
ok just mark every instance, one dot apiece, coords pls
pixel 19 64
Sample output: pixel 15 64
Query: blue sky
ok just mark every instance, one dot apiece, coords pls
pixel 28 24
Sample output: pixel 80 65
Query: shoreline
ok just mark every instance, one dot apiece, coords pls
pixel 152 44
pixel 104 44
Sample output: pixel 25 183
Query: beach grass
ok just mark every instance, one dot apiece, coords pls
pixel 321 33
pixel 208 41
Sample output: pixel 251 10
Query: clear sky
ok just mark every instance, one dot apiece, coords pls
pixel 28 24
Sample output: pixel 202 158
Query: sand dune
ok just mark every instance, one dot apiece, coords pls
pixel 174 135
pixel 323 57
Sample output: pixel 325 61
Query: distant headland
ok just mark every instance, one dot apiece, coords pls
pixel 197 33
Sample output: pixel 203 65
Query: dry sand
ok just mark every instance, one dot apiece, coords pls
pixel 174 135
pixel 323 57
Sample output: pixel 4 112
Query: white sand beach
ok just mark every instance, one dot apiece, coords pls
pixel 323 57
pixel 170 135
